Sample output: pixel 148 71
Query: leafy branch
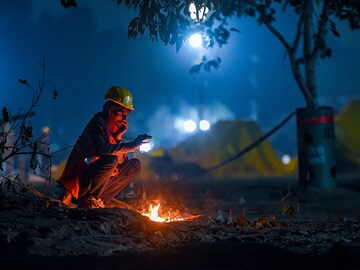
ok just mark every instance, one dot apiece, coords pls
pixel 173 22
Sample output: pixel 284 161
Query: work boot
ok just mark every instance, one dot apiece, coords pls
pixel 91 202
pixel 66 199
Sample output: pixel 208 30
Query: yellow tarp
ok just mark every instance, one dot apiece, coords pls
pixel 347 131
pixel 224 140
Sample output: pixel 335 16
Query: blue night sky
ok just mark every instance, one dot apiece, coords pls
pixel 87 50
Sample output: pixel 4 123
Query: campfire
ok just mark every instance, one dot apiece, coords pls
pixel 153 214
pixel 162 207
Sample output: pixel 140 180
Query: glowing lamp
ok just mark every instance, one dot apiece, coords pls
pixel 285 159
pixel 195 40
pixel 204 125
pixel 45 130
pixel 189 125
pixel 202 12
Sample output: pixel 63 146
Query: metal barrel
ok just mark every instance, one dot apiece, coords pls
pixel 316 147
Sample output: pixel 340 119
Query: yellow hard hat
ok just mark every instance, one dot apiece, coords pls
pixel 120 96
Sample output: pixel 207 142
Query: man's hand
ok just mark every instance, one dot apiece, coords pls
pixel 121 130
pixel 135 144
pixel 140 139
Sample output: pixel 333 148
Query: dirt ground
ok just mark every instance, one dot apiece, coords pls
pixel 257 223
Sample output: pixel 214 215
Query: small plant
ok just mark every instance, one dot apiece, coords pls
pixel 20 130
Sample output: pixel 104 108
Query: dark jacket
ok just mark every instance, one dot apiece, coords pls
pixel 96 140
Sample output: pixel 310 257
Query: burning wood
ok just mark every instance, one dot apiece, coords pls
pixel 153 214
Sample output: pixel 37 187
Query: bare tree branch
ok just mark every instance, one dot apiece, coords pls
pixel 298 33
pixel 24 143
pixel 320 36
pixel 292 58
pixel 277 34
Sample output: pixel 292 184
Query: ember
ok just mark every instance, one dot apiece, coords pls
pixel 154 215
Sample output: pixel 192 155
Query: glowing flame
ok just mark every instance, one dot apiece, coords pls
pixel 154 215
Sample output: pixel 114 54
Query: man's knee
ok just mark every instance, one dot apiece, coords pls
pixel 110 160
pixel 135 165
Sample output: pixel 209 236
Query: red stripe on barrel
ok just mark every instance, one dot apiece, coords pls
pixel 317 120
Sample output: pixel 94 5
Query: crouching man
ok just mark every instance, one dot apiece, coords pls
pixel 98 167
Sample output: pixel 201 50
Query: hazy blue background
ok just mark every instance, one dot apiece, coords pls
pixel 87 50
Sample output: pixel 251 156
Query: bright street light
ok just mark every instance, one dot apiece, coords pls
pixel 189 125
pixel 201 12
pixel 204 125
pixel 285 159
pixel 195 40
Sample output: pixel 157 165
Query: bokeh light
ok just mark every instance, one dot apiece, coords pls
pixel 202 12
pixel 204 125
pixel 189 125
pixel 195 40
pixel 285 159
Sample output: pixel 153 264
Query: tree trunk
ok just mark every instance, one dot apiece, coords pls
pixel 309 59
